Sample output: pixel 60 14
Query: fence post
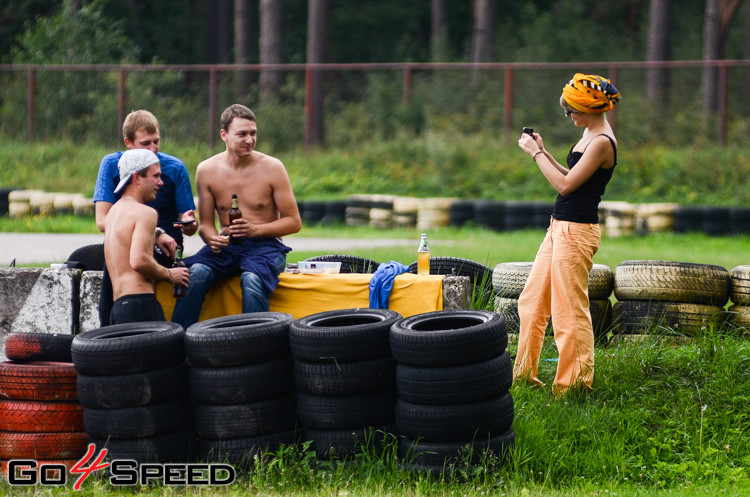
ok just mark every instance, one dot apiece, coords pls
pixel 722 131
pixel 406 98
pixel 31 116
pixel 120 100
pixel 508 101
pixel 212 107
pixel 613 74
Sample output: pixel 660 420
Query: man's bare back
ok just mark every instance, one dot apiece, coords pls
pixel 129 230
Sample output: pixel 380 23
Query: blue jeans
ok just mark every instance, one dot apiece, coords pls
pixel 255 296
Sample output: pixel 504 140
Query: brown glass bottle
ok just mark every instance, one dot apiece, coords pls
pixel 234 213
pixel 179 291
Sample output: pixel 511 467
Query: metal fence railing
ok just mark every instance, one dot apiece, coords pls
pixel 42 101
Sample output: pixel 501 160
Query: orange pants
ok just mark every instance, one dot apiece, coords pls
pixel 558 286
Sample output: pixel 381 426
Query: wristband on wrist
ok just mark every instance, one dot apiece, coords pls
pixel 539 152
pixel 159 232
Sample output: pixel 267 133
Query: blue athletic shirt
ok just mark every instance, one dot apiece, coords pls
pixel 175 195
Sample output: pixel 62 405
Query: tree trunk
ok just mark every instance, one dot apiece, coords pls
pixel 659 48
pixel 483 36
pixel 711 51
pixel 439 38
pixel 316 31
pixel 270 47
pixel 218 28
pixel 241 47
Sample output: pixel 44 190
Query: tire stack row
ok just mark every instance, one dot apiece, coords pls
pixel 509 278
pixel 345 379
pixel 132 382
pixel 242 386
pixel 40 417
pixel 738 314
pixel 669 297
pixel 712 220
pixel 453 378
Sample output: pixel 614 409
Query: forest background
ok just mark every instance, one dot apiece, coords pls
pixel 448 139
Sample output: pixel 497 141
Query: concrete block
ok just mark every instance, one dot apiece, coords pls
pixel 456 292
pixel 38 300
pixel 91 286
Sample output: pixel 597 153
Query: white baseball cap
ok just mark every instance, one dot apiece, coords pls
pixel 134 161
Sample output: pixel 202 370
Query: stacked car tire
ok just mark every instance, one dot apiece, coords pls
pixel 509 278
pixel 40 416
pixel 132 382
pixel 242 386
pixel 666 297
pixel 738 314
pixel 345 379
pixel 453 378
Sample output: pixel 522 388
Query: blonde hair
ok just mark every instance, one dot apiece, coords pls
pixel 139 119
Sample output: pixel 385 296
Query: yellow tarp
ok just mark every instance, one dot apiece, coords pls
pixel 304 294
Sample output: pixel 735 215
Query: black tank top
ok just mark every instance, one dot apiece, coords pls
pixel 582 205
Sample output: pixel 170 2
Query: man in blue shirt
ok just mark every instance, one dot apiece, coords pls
pixel 173 203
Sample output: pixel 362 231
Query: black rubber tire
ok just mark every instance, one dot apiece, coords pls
pixel 739 217
pixel 242 384
pixel 518 215
pixel 246 420
pixel 448 338
pixel 739 285
pixel 128 348
pixel 346 412
pixel 133 390
pixel 543 214
pixel 455 422
pixel 635 317
pixel 38 380
pixel 446 453
pixel 238 339
pixel 687 218
pixel 480 275
pixel 314 211
pixel 38 346
pixel 344 335
pixel 137 422
pixel 672 282
pixel 715 221
pixel 346 378
pixel 343 444
pixel 490 214
pixel 601 318
pixel 241 451
pixel 455 384
pixel 174 447
pixel 335 212
pixel 35 416
pixel 349 263
pixel 461 212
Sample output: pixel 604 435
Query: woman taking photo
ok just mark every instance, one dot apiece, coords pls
pixel 557 285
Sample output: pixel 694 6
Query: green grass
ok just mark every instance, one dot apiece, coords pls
pixel 664 419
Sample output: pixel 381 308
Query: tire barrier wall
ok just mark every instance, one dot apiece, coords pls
pixel 386 211
pixel 40 415
pixel 133 385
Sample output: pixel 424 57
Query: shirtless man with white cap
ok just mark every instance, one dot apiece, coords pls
pixel 129 242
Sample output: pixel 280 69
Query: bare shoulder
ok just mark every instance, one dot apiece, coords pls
pixel 269 161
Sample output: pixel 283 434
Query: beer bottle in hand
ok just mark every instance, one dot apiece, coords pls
pixel 179 291
pixel 234 213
